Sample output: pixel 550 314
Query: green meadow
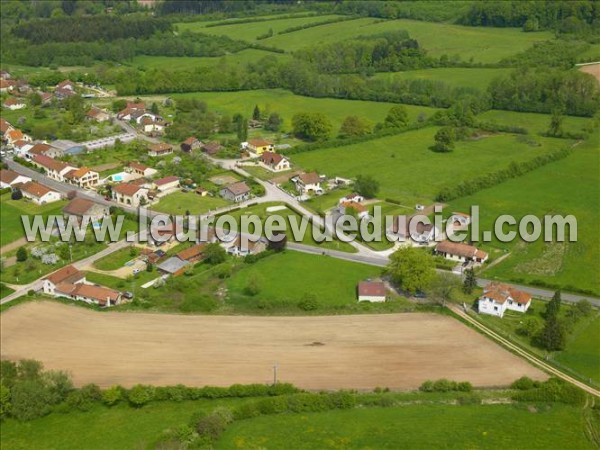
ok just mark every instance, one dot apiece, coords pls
pixel 566 187
pixel 581 353
pixel 287 104
pixel 478 78
pixel 180 202
pixel 410 172
pixel 535 123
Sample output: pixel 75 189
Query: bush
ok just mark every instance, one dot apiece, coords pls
pixel 22 254
pixel 554 390
pixel 83 399
pixel 443 385
pixel 112 395
pixel 16 194
pixel 308 303
pixel 139 395
pixel 464 386
pixel 523 384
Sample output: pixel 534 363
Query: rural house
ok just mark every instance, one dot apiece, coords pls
pixel 274 161
pixel 371 291
pixel 458 251
pixel 354 197
pixel 37 193
pixel 406 228
pixel 259 146
pixel 236 192
pixel 82 177
pixel 350 207
pixel 83 208
pixel 166 184
pixel 130 194
pixel 15 135
pixel 160 149
pixel 459 220
pixel 44 149
pixel 245 247
pixel 68 274
pixel 190 144
pixel 54 169
pixel 89 293
pixel 212 148
pixel 9 178
pixel 64 89
pixel 192 254
pixel 140 169
pixel 14 103
pixel 498 297
pixel 308 182
pixel 5 126
pixel 97 115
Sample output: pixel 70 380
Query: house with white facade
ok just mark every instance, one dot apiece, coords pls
pixel 160 149
pixel 457 251
pixel 308 182
pixel 274 161
pixel 129 194
pixel 54 168
pixel 38 193
pixel 413 228
pixel 236 192
pixel 497 298
pixel 137 168
pixel 166 184
pixel 9 178
pixel 82 177
pixel 459 221
pixel 13 103
pixel 40 148
pixel 84 209
pixel 68 274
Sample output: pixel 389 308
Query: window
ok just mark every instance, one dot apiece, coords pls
pixel 495 308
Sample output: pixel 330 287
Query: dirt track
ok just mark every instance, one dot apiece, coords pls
pixel 592 69
pixel 362 351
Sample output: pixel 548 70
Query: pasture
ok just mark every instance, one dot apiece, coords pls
pixel 535 123
pixel 178 203
pixel 553 189
pixel 224 350
pixel 410 172
pixel 478 78
pixel 581 353
pixel 287 104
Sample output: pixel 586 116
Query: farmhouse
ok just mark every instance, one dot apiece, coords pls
pixel 371 291
pixel 259 146
pixel 166 183
pixel 38 193
pixel 308 182
pixel 173 266
pixel 68 274
pixel 458 251
pixel 96 114
pixel 160 149
pixel 8 178
pixel 236 192
pixel 143 170
pixel 498 297
pixel 274 161
pixel 152 124
pixel 82 177
pixel 21 147
pixel 88 293
pixel 14 103
pixel 44 149
pixel 190 144
pixel 212 148
pixel 54 169
pixel 85 209
pixel 411 227
pixel 192 254
pixel 129 194
pixel 46 97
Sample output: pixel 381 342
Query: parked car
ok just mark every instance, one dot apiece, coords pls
pixel 128 295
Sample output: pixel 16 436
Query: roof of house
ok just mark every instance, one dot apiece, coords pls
pixel 192 252
pixel 212 147
pixel 63 84
pixel 271 158
pixel 259 142
pixel 310 178
pixel 402 225
pixel 8 176
pixel 161 147
pixel 79 206
pixel 39 149
pixel 21 144
pixel 133 105
pixel 371 289
pixel 126 189
pixel 35 189
pixel 49 163
pixel 166 180
pixel 172 265
pixel 352 196
pixel 354 205
pixel 13 101
pixel 78 173
pixel 4 125
pixel 460 249
pixel 7 83
pixel 461 214
pixel 190 141
pixel 67 273
pixel 146 120
pixel 94 112
pixel 45 96
pixel 99 293
pixel 138 166
pixel 501 292
pixel 15 135
pixel 238 188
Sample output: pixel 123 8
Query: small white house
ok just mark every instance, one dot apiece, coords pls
pixel 14 103
pixel 38 193
pixel 460 252
pixel 166 184
pixel 498 297
pixel 308 182
pixel 274 161
pixel 129 194
pixel 371 291
pixel 236 192
pixel 67 274
pixel 8 178
pixel 354 197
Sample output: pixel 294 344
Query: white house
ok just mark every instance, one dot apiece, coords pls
pixel 129 194
pixel 354 197
pixel 84 209
pixel 236 192
pixel 68 274
pixel 371 291
pixel 458 251
pixel 140 169
pixel 308 182
pixel 89 293
pixel 160 149
pixel 166 184
pixel 274 161
pixel 82 177
pixel 8 178
pixel 498 297
pixel 14 103
pixel 40 148
pixel 54 169
pixel 38 193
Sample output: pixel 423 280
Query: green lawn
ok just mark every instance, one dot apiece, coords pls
pixel 410 172
pixel 287 104
pixel 286 277
pixel 553 189
pixel 117 259
pixel 478 78
pixel 5 290
pixel 535 123
pixel 11 227
pixel 415 427
pixel 581 353
pixel 180 202
pixel 486 45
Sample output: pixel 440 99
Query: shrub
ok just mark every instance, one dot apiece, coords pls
pixel 211 427
pixel 308 303
pixel 139 395
pixel 464 386
pixel 427 386
pixel 22 254
pixel 469 400
pixel 16 194
pixel 112 395
pixel 553 390
pixel 444 385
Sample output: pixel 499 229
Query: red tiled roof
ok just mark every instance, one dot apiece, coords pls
pixel 66 273
pixel 35 189
pixel 271 158
pixel 49 163
pixel 15 135
pixel 460 249
pixel 161 147
pixel 310 178
pixel 79 206
pixel 190 141
pixel 126 189
pixel 166 180
pixel 238 188
pixel 4 125
pixel 192 252
pixel 13 101
pixel 354 205
pixel 77 173
pixel 259 142
pixel 39 149
pixel 371 289
pixel 8 176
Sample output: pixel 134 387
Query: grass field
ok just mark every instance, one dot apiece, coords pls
pixel 409 171
pixel 10 216
pixel 553 189
pixel 280 283
pixel 581 353
pixel 180 202
pixel 414 426
pixel 117 259
pixel 250 31
pixel 287 104
pixel 478 78
pixel 534 123
pixel 484 45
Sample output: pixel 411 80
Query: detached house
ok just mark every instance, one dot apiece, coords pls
pixel 97 115
pixel 65 89
pixel 406 228
pixel 82 177
pixel 160 149
pixel 15 135
pixel 458 251
pixel 5 126
pixel 129 194
pixel 236 192
pixel 212 148
pixel 274 161
pixel 140 169
pixel 459 220
pixel 54 169
pixel 68 274
pixel 192 254
pixel 166 184
pixel 14 103
pixel 85 209
pixel 259 146
pixel 38 193
pixel 190 144
pixel 9 178
pixel 308 182
pixel 498 297
pixel 44 149
pixel 371 291
pixel 361 211
pixel 89 293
